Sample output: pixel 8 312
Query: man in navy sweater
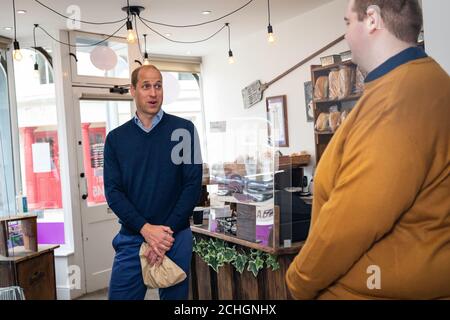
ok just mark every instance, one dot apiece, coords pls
pixel 152 176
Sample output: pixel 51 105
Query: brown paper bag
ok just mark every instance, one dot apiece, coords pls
pixel 166 275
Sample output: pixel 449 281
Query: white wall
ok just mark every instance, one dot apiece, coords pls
pixel 437 30
pixel 297 38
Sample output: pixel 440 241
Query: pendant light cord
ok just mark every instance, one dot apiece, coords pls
pixel 229 36
pixel 14 15
pixel 198 24
pixel 72 19
pixel 145 43
pixel 137 34
pixel 80 45
pixel 34 40
pixel 176 41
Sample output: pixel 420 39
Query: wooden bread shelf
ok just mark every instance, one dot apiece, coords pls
pixel 322 105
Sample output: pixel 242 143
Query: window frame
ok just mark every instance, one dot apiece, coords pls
pixel 83 79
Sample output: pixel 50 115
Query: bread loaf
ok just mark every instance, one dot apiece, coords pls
pixel 334 85
pixel 323 123
pixel 335 120
pixel 345 81
pixel 321 88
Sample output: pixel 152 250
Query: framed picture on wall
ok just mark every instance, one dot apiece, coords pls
pixel 277 117
pixel 309 101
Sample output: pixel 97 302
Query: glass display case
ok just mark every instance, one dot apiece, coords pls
pixel 253 189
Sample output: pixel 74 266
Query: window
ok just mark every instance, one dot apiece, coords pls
pixel 39 145
pixel 182 98
pixel 107 62
pixel 97 119
pixel 7 188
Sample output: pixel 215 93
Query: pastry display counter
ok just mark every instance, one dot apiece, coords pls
pixel 256 222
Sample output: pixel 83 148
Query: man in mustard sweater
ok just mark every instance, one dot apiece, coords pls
pixel 381 213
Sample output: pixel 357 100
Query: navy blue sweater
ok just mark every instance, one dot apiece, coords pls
pixel 143 184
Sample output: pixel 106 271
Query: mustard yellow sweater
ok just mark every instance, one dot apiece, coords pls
pixel 382 196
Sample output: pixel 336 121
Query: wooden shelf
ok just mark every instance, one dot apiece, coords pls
pixel 324 133
pixel 18 217
pixel 332 66
pixel 22 254
pixel 349 98
pixel 294 249
pixel 321 105
pixel 28 229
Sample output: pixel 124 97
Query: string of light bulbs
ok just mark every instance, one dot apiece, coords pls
pixel 132 36
pixel 146 20
pixel 81 45
pixel 198 24
pixel 76 20
pixel 179 41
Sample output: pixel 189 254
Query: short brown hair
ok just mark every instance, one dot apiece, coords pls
pixel 135 74
pixel 403 18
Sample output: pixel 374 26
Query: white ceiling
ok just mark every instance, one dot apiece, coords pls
pixel 251 19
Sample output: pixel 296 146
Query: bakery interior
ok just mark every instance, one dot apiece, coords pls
pixel 267 84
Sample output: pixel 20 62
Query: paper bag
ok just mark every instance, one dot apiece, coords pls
pixel 166 275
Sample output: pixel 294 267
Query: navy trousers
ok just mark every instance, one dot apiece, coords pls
pixel 126 277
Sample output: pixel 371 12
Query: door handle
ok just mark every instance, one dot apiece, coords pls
pixel 84 196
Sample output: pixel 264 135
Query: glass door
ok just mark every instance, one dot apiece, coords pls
pixel 7 193
pixel 97 117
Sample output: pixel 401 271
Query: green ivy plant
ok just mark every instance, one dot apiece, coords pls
pixel 240 261
pixel 271 262
pixel 256 262
pixel 216 253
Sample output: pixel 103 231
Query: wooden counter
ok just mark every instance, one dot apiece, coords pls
pixel 228 284
pixel 294 249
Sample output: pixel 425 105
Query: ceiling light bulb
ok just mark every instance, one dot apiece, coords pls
pixel 206 12
pixel 17 55
pixel 21 11
pixel 230 57
pixel 131 36
pixel 271 37
pixel 8 28
pixel 146 60
pixel 36 70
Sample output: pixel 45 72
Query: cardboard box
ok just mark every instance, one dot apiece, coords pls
pixel 255 224
pixel 329 60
